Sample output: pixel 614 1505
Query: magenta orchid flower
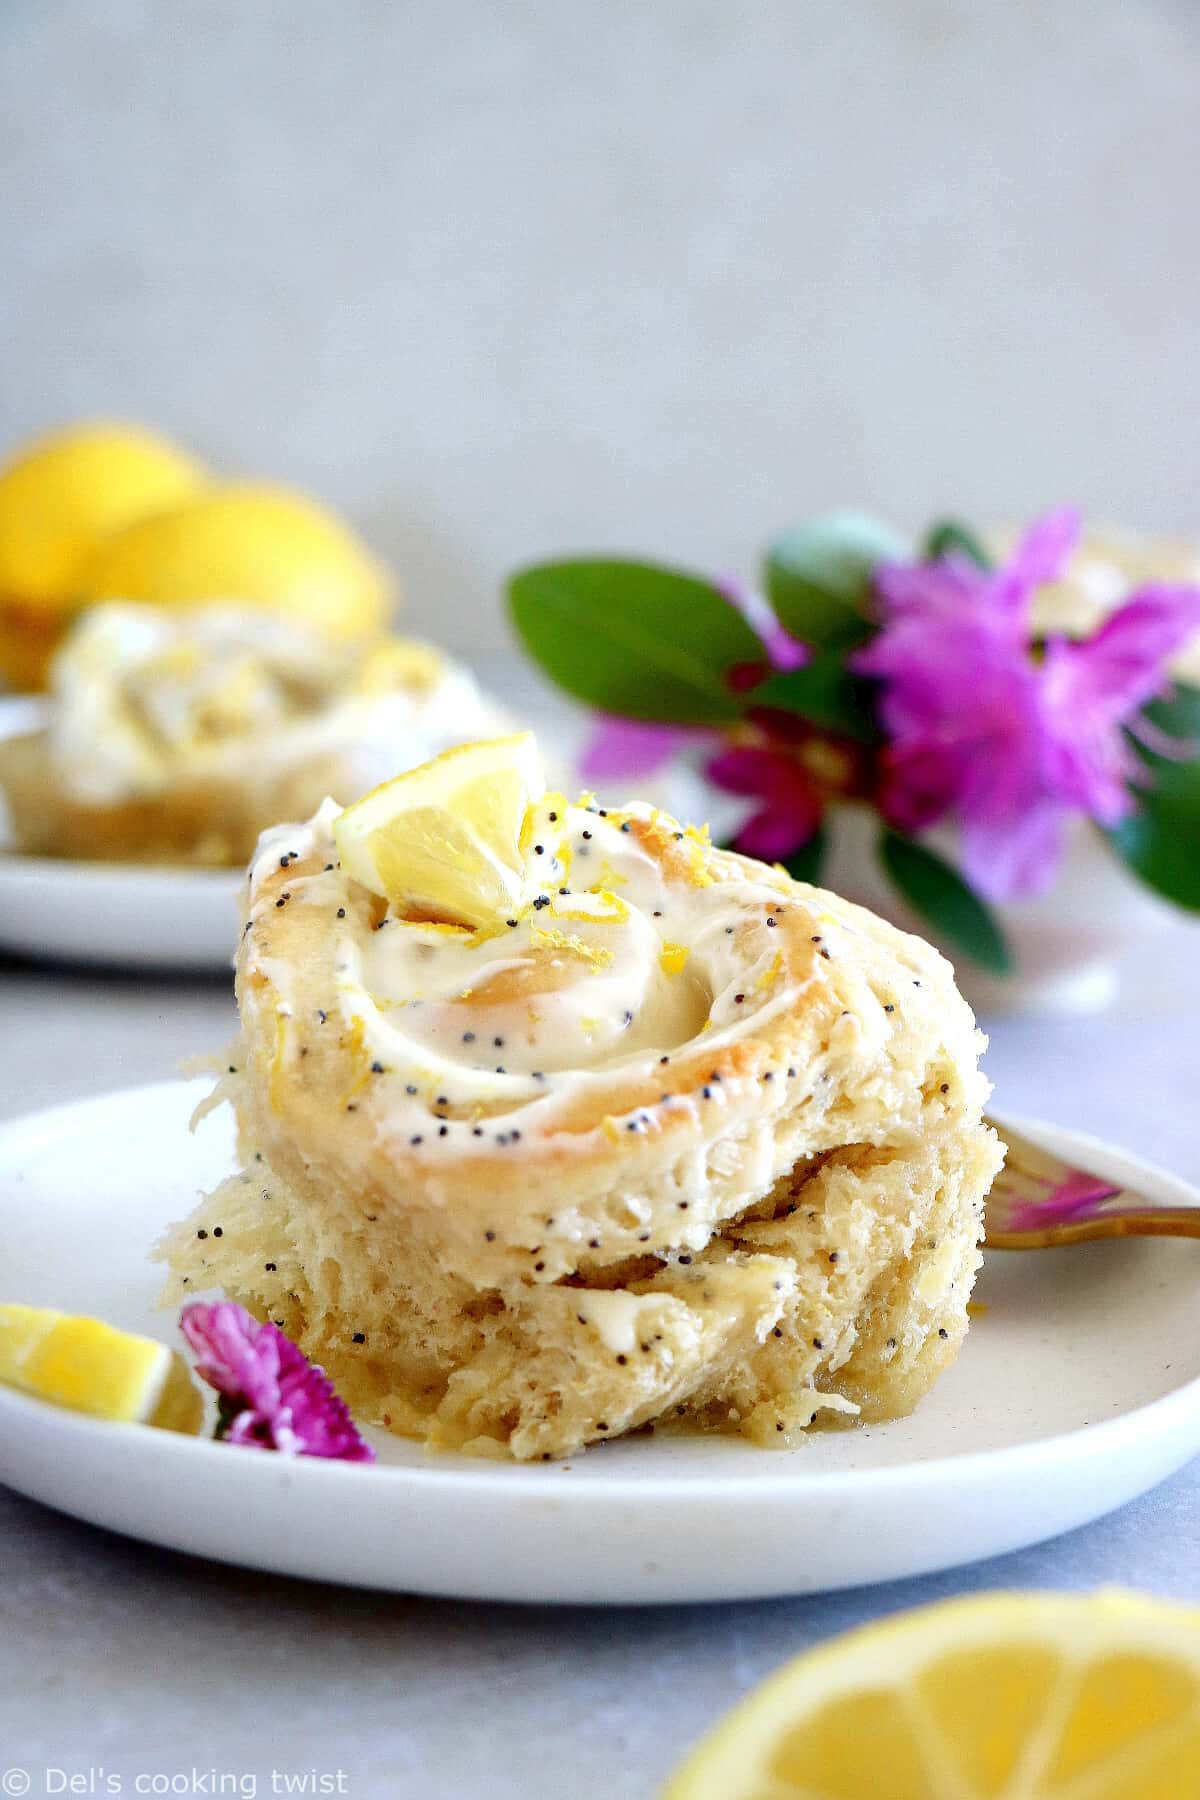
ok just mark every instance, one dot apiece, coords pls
pixel 790 809
pixel 984 731
pixel 272 1397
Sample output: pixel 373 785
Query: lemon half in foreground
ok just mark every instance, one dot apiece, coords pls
pixel 93 1368
pixel 444 841
pixel 999 1697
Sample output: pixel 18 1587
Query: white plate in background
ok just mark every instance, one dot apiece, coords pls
pixel 1078 1388
pixel 123 914
pixel 151 916
pixel 132 915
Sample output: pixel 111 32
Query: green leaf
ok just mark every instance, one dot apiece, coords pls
pixel 939 894
pixel 1160 842
pixel 825 693
pixel 818 576
pixel 948 537
pixel 634 639
pixel 805 864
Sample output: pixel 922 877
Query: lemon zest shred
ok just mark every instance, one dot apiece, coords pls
pixel 577 915
pixel 620 908
pixel 354 1046
pixel 592 954
pixel 618 915
pixel 771 972
pixel 442 927
pixel 697 850
pixel 608 879
pixel 608 1126
pixel 672 957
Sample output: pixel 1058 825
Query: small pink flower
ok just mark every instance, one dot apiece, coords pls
pixel 791 808
pixel 620 749
pixel 1009 744
pixel 784 652
pixel 1079 1196
pixel 272 1397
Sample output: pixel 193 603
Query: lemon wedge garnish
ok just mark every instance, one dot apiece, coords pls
pixel 93 1368
pixel 1020 1695
pixel 444 841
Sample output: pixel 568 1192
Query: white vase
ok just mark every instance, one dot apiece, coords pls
pixel 1066 945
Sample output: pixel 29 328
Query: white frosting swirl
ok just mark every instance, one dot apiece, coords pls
pixel 629 956
pixel 145 697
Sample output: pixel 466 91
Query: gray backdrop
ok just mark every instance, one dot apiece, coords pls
pixel 505 279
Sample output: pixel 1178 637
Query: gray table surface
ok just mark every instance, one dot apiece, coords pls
pixel 123 1659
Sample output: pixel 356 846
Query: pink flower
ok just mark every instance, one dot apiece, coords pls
pixel 272 1397
pixel 1077 1197
pixel 783 650
pixel 983 730
pixel 621 748
pixel 791 808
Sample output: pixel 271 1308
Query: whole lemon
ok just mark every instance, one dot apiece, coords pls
pixel 267 546
pixel 56 498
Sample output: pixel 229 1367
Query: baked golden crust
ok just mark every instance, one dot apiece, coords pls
pixel 730 1176
pixel 212 820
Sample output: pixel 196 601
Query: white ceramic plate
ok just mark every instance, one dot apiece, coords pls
pixel 126 914
pixel 122 914
pixel 1078 1388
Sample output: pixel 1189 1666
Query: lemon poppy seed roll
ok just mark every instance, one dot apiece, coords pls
pixel 676 1141
pixel 175 735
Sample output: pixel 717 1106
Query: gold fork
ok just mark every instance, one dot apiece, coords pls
pixel 1038 1200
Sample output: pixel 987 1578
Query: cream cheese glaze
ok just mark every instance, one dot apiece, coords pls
pixel 145 697
pixel 615 970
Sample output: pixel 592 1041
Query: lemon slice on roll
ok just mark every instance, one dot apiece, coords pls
pixel 1017 1696
pixel 93 1368
pixel 445 841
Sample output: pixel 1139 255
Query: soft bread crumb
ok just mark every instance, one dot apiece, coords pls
pixel 761 1334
